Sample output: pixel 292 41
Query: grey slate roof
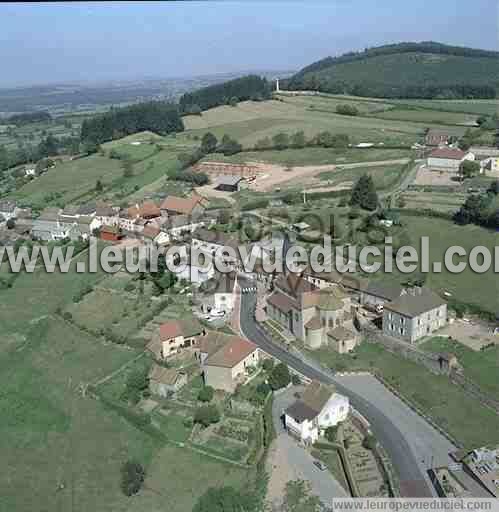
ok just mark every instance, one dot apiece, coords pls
pixel 416 302
pixel 384 290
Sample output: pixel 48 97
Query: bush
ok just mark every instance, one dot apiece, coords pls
pixel 369 442
pixel 295 379
pixel 207 415
pixel 268 364
pixel 279 377
pixel 347 110
pixel 331 433
pixel 206 394
pixel 132 477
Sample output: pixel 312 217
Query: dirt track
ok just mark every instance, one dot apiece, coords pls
pixel 274 174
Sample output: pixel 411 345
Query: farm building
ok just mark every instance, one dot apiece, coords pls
pixel 448 159
pixel 437 138
pixel 110 233
pixel 222 168
pixel 163 381
pixel 229 183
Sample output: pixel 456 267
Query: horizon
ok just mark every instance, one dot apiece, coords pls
pixel 231 39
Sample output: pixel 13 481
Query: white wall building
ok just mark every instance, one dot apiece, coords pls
pixel 448 159
pixel 319 407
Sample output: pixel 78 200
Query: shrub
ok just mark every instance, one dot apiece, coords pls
pixel 268 364
pixel 132 477
pixel 206 394
pixel 295 379
pixel 279 377
pixel 331 433
pixel 369 442
pixel 207 415
pixel 347 110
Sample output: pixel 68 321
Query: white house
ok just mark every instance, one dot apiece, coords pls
pixel 448 159
pixel 318 408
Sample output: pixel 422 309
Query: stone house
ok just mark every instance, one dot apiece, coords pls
pixel 414 315
pixel 174 336
pixel 227 361
pixel 448 159
pixel 193 206
pixel 165 381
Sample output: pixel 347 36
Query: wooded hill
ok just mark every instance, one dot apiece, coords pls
pixel 155 116
pixel 405 70
pixel 251 87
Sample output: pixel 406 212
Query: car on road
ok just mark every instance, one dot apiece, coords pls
pixel 320 465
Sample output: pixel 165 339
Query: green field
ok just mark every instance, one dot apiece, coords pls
pixel 481 367
pixel 75 181
pixel 313 156
pixel 469 422
pixel 384 176
pixel 487 107
pixel 428 116
pixel 249 121
pixel 68 446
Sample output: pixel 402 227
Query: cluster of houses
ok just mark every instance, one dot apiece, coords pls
pixel 227 361
pixel 319 308
pixel 159 224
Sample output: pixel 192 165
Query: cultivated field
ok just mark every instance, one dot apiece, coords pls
pixel 249 121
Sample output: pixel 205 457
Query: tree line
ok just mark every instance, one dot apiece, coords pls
pixel 156 116
pixel 29 117
pixel 251 87
pixel 479 209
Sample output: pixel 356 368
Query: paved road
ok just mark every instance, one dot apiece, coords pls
pixel 408 439
pixel 299 462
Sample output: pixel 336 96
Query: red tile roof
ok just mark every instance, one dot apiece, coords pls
pixel 169 330
pixel 448 153
pixel 151 231
pixel 231 353
pixel 180 204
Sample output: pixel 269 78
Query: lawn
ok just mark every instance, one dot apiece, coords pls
pixel 458 413
pixel 178 477
pixel 443 202
pixel 384 177
pixel 467 286
pixel 67 446
pixel 481 367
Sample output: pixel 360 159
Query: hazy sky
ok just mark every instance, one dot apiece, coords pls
pixel 43 43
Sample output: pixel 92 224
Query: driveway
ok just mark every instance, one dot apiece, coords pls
pixel 408 439
pixel 290 461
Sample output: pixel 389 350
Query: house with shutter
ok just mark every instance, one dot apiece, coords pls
pixel 174 336
pixel 448 159
pixel 417 313
pixel 227 360
pixel 320 406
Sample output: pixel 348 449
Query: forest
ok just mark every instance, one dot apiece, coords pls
pixel 251 87
pixel 156 116
pixel 406 70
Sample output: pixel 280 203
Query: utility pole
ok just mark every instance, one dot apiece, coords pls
pixel 304 197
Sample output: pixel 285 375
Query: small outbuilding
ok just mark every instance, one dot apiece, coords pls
pixel 229 183
pixel 164 381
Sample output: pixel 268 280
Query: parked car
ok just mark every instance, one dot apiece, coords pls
pixel 320 465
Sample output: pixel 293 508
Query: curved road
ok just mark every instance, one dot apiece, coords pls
pixel 410 442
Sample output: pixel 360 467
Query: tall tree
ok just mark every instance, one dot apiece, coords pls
pixel 364 194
